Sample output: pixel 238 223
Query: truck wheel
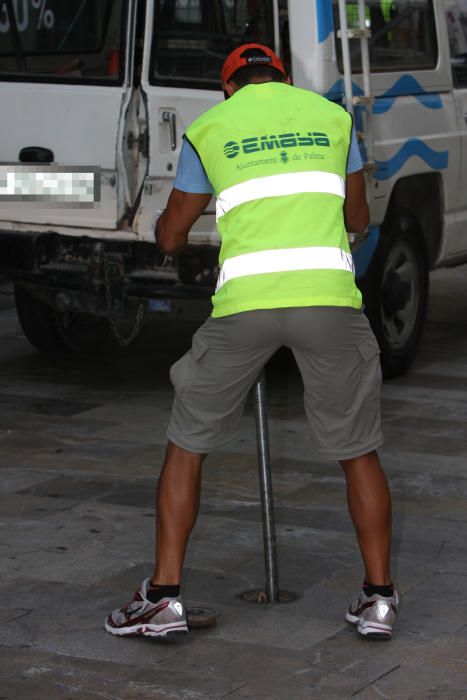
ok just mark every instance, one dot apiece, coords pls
pixel 83 333
pixel 395 293
pixel 53 332
pixel 37 319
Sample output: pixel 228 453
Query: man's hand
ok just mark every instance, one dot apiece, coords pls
pixel 356 212
pixel 174 224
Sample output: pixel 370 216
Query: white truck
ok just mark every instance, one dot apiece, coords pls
pixel 108 87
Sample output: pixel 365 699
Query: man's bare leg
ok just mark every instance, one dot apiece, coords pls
pixel 369 502
pixel 177 505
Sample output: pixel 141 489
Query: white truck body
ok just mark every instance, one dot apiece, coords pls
pixel 119 96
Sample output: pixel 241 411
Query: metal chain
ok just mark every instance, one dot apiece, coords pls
pixel 122 341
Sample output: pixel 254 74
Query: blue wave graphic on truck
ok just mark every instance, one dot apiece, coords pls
pixel 406 85
pixel 437 160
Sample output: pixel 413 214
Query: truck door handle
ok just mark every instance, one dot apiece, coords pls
pixel 36 154
pixel 170 119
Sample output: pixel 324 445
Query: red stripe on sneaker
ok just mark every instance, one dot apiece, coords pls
pixel 132 616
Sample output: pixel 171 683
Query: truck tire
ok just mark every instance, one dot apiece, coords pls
pixel 38 322
pixel 53 332
pixel 395 294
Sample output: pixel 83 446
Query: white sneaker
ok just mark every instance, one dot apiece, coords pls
pixel 374 615
pixel 142 617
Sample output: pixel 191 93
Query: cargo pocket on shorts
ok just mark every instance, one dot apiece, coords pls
pixel 370 369
pixel 184 372
pixel 369 348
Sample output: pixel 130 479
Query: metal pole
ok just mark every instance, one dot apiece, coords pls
pixel 265 484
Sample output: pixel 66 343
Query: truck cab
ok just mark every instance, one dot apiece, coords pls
pixel 106 91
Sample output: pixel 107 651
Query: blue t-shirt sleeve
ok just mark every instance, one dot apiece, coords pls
pixel 354 161
pixel 191 176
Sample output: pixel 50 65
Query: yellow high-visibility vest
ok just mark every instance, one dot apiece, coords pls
pixel 276 156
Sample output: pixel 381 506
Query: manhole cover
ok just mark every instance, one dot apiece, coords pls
pixel 200 618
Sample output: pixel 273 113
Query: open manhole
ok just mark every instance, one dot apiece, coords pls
pixel 258 595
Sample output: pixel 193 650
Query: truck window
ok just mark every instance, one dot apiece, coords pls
pixel 191 38
pixel 57 41
pixel 403 35
pixel 456 20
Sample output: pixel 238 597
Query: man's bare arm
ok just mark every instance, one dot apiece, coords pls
pixel 174 224
pixel 356 212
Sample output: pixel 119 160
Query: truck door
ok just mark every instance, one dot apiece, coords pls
pixel 186 43
pixel 66 82
pixel 456 21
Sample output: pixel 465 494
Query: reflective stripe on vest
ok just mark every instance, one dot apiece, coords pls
pixel 277 186
pixel 285 260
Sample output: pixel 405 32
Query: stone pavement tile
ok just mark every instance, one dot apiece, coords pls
pixel 427 531
pixel 395 407
pixel 448 509
pixel 426 483
pixel 320 491
pixel 71 487
pixel 127 580
pixel 126 536
pixel 13 661
pixel 148 422
pixel 29 440
pixel 58 550
pixel 329 599
pixel 76 445
pixel 425 506
pixel 436 606
pixel 138 493
pixel 236 662
pixel 431 602
pixel 228 544
pixel 283 626
pixel 403 440
pixel 34 676
pixel 69 619
pixel 435 425
pixel 427 382
pixel 31 508
pixel 300 568
pixel 429 555
pixel 454 412
pixel 411 567
pixel 326 518
pixel 395 460
pixel 432 669
pixel 57 458
pixel 333 668
pixel 12 480
pixel 102 450
pixel 53 425
pixel 42 405
pixel 346 666
pixel 237 473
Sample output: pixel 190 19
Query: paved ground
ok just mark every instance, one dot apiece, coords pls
pixel 80 445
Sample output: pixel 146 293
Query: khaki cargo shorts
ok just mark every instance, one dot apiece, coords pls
pixel 338 358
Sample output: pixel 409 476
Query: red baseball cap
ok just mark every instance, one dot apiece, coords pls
pixel 237 59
